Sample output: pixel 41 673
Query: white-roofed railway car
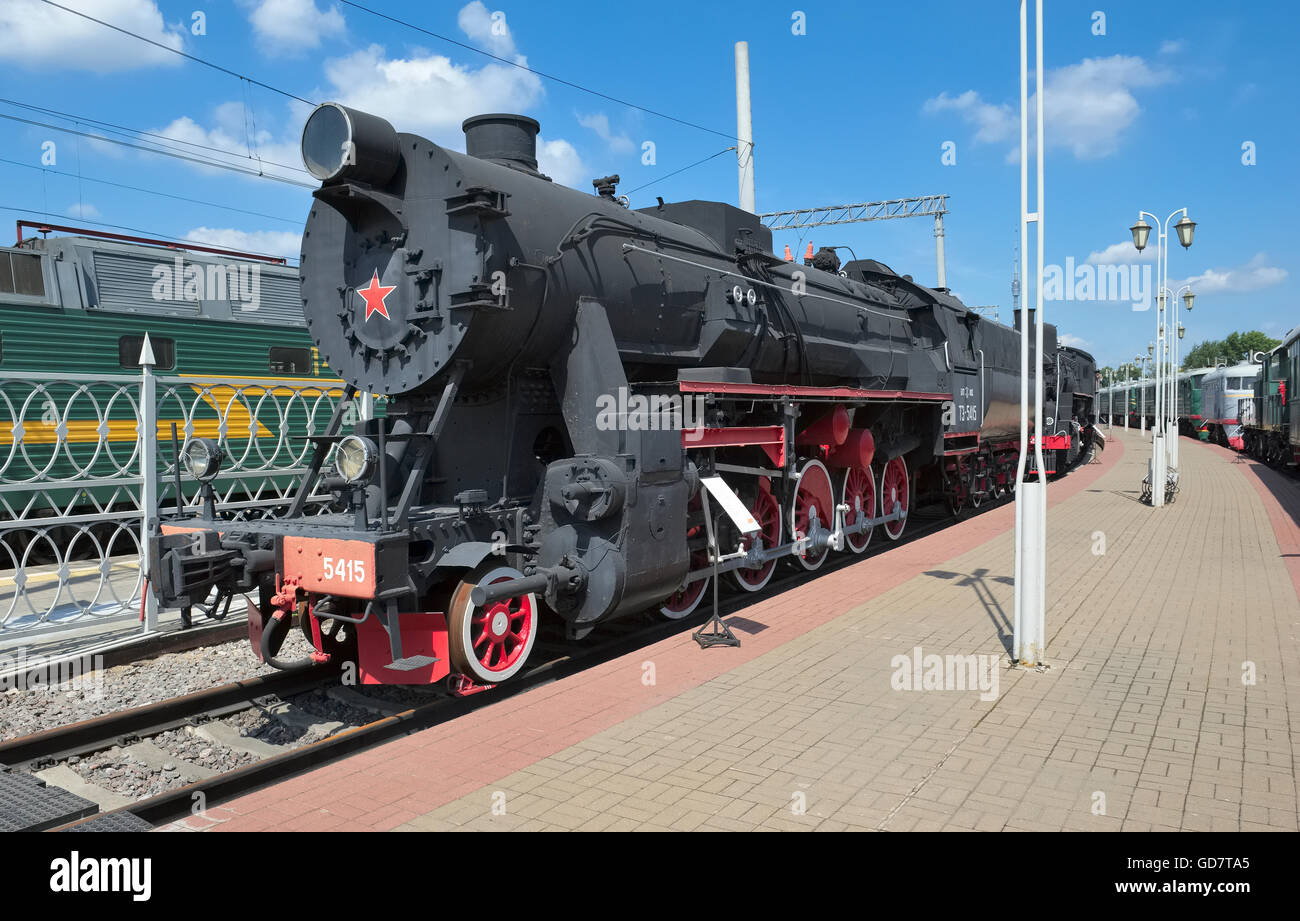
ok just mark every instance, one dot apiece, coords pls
pixel 1223 392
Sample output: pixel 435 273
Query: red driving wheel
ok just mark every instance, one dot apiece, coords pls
pixel 895 492
pixel 767 512
pixel 858 492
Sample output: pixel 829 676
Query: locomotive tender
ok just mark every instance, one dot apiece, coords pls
pixel 565 377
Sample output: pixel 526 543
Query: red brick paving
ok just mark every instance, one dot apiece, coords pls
pixel 1280 493
pixel 393 783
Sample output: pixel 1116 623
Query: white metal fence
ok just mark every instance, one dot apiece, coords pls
pixel 85 459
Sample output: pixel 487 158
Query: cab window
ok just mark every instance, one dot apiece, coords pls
pixel 290 361
pixel 164 352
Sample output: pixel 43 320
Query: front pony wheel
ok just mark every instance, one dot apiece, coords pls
pixel 490 644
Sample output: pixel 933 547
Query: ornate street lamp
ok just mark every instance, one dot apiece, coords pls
pixel 1141 230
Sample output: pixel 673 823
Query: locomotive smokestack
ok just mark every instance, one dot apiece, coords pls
pixel 506 139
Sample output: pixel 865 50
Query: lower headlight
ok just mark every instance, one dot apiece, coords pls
pixel 202 458
pixel 356 458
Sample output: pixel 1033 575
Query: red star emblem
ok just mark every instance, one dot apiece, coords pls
pixel 374 294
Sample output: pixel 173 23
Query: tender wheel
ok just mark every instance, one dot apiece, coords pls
pixel 813 498
pixel 684 601
pixel 490 644
pixel 895 493
pixel 767 512
pixel 858 492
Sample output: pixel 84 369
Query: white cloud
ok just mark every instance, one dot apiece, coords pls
pixel 427 93
pixel 43 37
pixel 430 94
pixel 1074 342
pixel 599 123
pixel 486 28
pixel 559 160
pixel 229 133
pixel 292 26
pixel 84 210
pixel 1172 46
pixel 1252 276
pixel 993 123
pixel 1089 106
pixel 1124 253
pixel 263 242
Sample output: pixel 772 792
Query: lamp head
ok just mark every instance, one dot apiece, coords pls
pixel 1141 231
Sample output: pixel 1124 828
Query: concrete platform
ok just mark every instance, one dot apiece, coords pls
pixel 1172 700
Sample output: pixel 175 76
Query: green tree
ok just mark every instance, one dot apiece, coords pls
pixel 1234 348
pixel 1125 372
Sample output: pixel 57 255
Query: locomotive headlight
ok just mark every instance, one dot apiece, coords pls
pixel 202 458
pixel 356 459
pixel 342 143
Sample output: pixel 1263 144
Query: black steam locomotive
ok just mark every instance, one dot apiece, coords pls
pixel 591 410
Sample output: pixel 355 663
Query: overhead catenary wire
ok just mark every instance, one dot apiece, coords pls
pixel 133 188
pixel 177 51
pixel 552 77
pixel 682 170
pixel 124 130
pixel 202 161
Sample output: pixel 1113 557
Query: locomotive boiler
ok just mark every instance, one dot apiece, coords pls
pixel 590 410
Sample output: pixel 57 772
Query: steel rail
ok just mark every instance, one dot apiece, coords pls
pixel 101 732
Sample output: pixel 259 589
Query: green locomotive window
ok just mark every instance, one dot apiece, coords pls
pixel 164 352
pixel 290 361
pixel 20 273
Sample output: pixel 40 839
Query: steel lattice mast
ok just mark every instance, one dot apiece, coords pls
pixel 935 206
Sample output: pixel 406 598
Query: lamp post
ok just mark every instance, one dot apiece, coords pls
pixel 1110 398
pixel 1159 438
pixel 1141 387
pixel 1126 390
pixel 1176 332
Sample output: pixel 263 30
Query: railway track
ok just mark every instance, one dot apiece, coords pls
pixel 41 749
pixel 554 661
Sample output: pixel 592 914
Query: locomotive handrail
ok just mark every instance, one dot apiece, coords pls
pixel 318 454
pixel 766 284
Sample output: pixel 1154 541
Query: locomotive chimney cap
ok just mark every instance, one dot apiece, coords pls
pixel 501 136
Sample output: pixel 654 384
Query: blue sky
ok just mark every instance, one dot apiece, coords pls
pixel 1152 114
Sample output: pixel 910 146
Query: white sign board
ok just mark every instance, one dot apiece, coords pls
pixel 731 504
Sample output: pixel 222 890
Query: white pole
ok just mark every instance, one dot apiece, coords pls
pixel 1036 639
pixel 1031 498
pixel 1157 432
pixel 744 130
pixel 938 250
pixel 148 475
pixel 1022 455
